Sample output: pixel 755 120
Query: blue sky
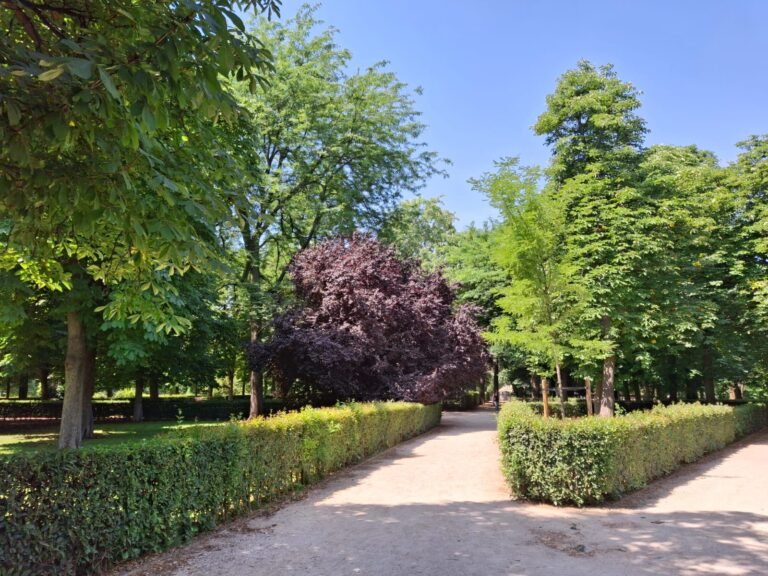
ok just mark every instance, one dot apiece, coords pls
pixel 486 67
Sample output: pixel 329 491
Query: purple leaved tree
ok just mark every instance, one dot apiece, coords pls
pixel 371 326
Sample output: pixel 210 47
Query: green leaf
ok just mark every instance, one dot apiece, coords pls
pixel 80 67
pixel 106 80
pixel 13 111
pixel 51 74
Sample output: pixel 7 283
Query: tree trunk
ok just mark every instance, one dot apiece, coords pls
pixel 230 384
pixel 588 390
pixel 691 390
pixel 23 386
pixel 708 376
pixel 673 386
pixel 257 394
pixel 545 395
pixel 71 431
pixel 138 400
pixel 638 394
pixel 606 396
pixel 566 382
pixel 735 391
pixel 496 379
pixel 210 391
pixel 535 388
pixel 609 368
pixel 7 387
pixel 154 387
pixel 89 384
pixel 45 386
pixel 560 393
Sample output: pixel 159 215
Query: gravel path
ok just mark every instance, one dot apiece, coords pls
pixel 438 505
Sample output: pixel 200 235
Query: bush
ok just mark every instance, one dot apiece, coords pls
pixel 468 400
pixel 72 512
pixel 160 409
pixel 586 460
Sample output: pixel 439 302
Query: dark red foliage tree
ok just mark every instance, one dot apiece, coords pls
pixel 371 326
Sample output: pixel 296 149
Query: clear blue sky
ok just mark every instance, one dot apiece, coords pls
pixel 486 67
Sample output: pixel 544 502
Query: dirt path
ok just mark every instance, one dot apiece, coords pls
pixel 437 505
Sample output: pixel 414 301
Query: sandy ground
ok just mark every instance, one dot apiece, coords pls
pixel 438 505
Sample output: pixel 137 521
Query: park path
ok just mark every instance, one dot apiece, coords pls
pixel 438 505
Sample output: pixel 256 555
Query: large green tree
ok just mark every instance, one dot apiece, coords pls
pixel 545 295
pixel 322 151
pixel 106 181
pixel 595 134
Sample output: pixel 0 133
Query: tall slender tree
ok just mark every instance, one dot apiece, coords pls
pixel 596 136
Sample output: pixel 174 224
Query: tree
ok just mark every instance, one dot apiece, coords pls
pixel 595 135
pixel 107 169
pixel 545 295
pixel 418 228
pixel 371 326
pixel 321 152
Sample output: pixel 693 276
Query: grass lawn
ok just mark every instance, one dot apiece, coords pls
pixel 44 437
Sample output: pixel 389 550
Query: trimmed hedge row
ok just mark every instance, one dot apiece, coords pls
pixel 468 401
pixel 75 513
pixel 585 460
pixel 161 409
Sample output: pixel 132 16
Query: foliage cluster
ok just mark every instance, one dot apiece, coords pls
pixel 585 460
pixel 162 163
pixel 371 326
pixel 641 269
pixel 77 512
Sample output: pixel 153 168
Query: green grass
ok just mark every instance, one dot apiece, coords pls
pixel 44 438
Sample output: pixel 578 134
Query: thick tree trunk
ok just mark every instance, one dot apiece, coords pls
pixel 560 391
pixel 708 376
pixel 735 391
pixel 154 387
pixel 545 395
pixel 71 431
pixel 691 390
pixel 89 385
pixel 609 368
pixel 23 386
pixel 606 396
pixel 138 399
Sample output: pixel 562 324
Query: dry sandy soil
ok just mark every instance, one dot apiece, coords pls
pixel 438 505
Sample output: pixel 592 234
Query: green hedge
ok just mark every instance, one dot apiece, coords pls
pixel 160 409
pixel 73 512
pixel 468 401
pixel 585 460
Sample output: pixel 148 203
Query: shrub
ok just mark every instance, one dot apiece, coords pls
pixel 160 409
pixel 585 460
pixel 72 512
pixel 468 400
